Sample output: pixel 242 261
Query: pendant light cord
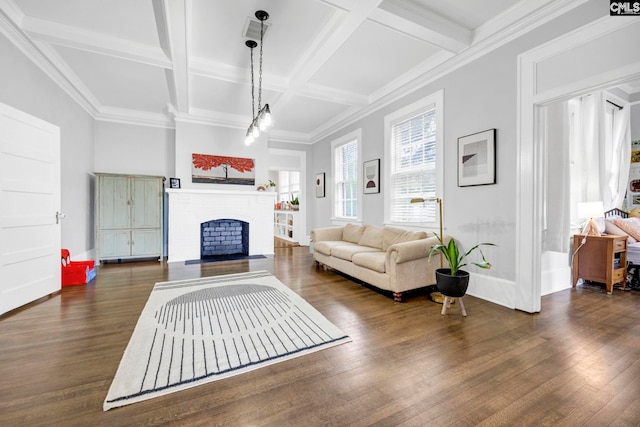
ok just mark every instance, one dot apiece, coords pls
pixel 253 97
pixel 260 71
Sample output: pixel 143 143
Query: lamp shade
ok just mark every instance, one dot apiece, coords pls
pixel 591 210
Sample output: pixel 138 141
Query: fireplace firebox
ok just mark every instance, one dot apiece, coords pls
pixel 221 237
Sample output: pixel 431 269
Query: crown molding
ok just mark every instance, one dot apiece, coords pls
pixel 332 95
pixel 90 41
pixel 290 137
pixel 533 20
pixel 412 75
pixel 12 11
pixel 134 117
pixel 15 35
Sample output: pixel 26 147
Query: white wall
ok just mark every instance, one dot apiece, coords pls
pixel 131 149
pixel 25 87
pixel 205 139
pixel 478 96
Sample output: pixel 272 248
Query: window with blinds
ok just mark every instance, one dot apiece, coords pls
pixel 413 168
pixel 346 180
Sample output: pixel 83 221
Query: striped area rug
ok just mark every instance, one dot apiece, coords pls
pixel 192 332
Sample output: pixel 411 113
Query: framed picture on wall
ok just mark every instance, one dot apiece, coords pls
pixel 477 159
pixel 174 182
pixel 320 184
pixel 371 176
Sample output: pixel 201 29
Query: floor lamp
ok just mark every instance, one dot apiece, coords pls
pixel 438 200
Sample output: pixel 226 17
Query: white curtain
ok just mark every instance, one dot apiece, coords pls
pixel 600 141
pixel 618 156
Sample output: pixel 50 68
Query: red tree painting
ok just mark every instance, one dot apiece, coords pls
pixel 222 169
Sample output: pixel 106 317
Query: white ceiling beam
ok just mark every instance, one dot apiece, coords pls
pixel 236 75
pixel 341 26
pixel 229 73
pixel 333 95
pixel 12 11
pixel 176 14
pixel 33 51
pixel 339 4
pixel 64 35
pixel 414 20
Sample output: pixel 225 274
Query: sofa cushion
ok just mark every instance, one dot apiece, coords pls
pixel 347 252
pixel 352 233
pixel 392 235
pixel 372 236
pixel 326 246
pixel 371 260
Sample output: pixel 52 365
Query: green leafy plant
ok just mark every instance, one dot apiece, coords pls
pixel 295 201
pixel 271 184
pixel 456 260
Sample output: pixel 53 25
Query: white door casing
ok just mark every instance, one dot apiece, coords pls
pixel 29 208
pixel 531 98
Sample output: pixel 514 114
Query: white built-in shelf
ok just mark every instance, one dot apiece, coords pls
pixel 286 225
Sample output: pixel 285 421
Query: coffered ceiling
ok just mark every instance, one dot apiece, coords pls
pixel 325 61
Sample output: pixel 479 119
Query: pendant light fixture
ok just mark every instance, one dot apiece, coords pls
pixel 260 118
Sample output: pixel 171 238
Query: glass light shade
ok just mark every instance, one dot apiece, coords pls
pixel 267 119
pixel 256 132
pixel 263 123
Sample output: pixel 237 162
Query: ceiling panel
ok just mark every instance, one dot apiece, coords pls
pixel 469 13
pixel 131 20
pixel 301 114
pixel 219 28
pixel 372 57
pixel 324 60
pixel 218 95
pixel 119 83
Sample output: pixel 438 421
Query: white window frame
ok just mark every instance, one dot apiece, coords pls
pixel 435 101
pixel 335 144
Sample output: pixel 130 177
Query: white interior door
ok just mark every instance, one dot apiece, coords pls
pixel 29 207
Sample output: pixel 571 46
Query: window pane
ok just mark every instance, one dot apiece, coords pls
pixel 413 168
pixel 346 185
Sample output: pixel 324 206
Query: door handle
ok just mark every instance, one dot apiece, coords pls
pixel 60 216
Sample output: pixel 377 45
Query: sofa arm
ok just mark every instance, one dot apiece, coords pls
pixel 328 233
pixel 412 250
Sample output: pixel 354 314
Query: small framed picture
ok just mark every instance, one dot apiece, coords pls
pixel 371 178
pixel 320 184
pixel 477 159
pixel 174 182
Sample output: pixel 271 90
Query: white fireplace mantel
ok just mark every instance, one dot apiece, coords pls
pixel 188 208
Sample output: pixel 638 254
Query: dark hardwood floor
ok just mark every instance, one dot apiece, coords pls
pixel 576 363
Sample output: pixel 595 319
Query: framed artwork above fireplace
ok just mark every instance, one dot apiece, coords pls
pixel 209 169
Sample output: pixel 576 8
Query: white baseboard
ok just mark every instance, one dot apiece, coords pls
pixel 555 280
pixel 84 256
pixel 492 289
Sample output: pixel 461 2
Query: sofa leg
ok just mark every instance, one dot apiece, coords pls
pixel 397 296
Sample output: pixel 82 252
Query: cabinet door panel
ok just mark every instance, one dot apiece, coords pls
pixel 146 196
pixel 114 203
pixel 145 242
pixel 114 244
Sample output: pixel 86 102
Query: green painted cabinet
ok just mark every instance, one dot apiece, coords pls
pixel 128 216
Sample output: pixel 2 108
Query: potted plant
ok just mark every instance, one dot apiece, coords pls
pixel 295 204
pixel 453 281
pixel 271 186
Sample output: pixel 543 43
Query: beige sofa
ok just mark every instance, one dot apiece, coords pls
pixel 388 258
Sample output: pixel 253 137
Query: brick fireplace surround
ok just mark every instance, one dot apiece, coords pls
pixel 189 208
